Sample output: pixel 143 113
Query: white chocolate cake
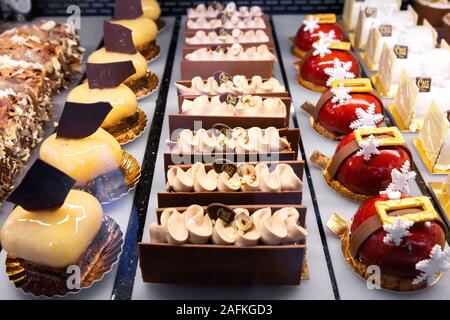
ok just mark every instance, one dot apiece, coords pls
pixel 412 103
pixel 421 36
pixel 419 62
pixel 434 138
pixel 352 9
pixel 383 15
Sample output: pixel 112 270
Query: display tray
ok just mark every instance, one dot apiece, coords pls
pixel 192 47
pixel 205 69
pixel 284 96
pixel 292 135
pixel 189 49
pixel 190 33
pixel 266 18
pixel 180 199
pixel 258 265
pixel 194 122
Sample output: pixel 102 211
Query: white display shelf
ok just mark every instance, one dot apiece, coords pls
pixel 330 277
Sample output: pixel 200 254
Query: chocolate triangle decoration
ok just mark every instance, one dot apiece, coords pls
pixel 117 38
pixel 127 9
pixel 80 120
pixel 43 187
pixel 108 75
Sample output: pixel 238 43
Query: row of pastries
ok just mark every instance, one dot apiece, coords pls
pixel 372 163
pixel 233 181
pixel 60 224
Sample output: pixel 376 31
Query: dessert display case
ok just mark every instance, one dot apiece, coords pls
pixel 225 173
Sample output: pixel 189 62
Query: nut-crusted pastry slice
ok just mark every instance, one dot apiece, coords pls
pixel 21 127
pixel 63 35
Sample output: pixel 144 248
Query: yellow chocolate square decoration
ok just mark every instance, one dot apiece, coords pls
pixel 324 17
pixel 395 138
pixel 340 45
pixel 357 85
pixel 428 212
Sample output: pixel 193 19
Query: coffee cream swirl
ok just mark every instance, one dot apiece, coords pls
pixel 234 22
pixel 201 11
pixel 247 106
pixel 235 36
pixel 234 53
pixel 239 84
pixel 247 178
pixel 195 226
pixel 237 140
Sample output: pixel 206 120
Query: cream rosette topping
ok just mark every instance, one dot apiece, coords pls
pixel 246 178
pixel 253 106
pixel 234 22
pixel 201 11
pixel 237 140
pixel 234 53
pixel 238 84
pixel 237 227
pixel 236 36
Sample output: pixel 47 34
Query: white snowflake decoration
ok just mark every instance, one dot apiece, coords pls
pixel 321 48
pixel 401 181
pixel 341 94
pixel 366 118
pixel 311 24
pixel 439 261
pixel 369 147
pixel 327 36
pixel 339 71
pixel 396 231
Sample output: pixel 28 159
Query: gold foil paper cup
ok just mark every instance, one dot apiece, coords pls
pixel 124 137
pixel 97 261
pixel 161 24
pixel 145 86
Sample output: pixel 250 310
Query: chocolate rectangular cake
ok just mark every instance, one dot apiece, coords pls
pixel 36 62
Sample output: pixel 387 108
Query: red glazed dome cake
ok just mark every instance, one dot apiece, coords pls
pixel 327 61
pixel 366 162
pixel 405 238
pixel 348 105
pixel 314 28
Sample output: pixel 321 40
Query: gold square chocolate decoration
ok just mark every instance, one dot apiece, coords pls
pixel 428 212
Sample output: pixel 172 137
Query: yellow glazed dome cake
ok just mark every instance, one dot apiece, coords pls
pixel 53 229
pixel 125 121
pixel 83 159
pixel 119 47
pixel 89 154
pixel 129 14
